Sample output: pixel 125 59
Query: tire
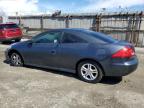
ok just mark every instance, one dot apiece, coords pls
pixel 17 40
pixel 6 42
pixel 90 72
pixel 16 59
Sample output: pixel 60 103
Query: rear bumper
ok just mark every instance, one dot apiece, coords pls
pixel 10 38
pixel 122 69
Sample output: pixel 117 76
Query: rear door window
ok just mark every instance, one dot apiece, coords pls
pixel 10 26
pixel 1 27
pixel 70 38
pixel 100 37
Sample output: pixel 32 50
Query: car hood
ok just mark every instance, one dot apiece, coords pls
pixel 18 44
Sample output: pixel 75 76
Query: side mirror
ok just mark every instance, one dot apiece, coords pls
pixel 30 42
pixel 55 41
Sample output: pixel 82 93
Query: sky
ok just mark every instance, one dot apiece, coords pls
pixel 11 7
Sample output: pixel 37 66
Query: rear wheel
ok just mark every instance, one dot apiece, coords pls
pixel 6 42
pixel 90 72
pixel 16 59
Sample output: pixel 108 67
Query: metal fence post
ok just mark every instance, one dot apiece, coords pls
pixel 41 23
pixel 98 22
pixel 67 21
pixel 139 27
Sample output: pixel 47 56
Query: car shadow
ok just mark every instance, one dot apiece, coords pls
pixel 111 80
pixel 6 62
pixel 7 42
pixel 105 80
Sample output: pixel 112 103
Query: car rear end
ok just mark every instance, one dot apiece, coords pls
pixel 123 59
pixel 118 59
pixel 9 32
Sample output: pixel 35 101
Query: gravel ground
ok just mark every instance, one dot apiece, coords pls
pixel 29 87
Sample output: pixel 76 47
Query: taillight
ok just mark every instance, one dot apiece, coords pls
pixel 126 52
pixel 3 31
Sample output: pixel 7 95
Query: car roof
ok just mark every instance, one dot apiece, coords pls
pixel 69 29
pixel 72 30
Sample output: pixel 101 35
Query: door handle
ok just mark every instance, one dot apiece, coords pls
pixel 53 51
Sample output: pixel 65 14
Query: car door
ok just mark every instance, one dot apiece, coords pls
pixel 70 50
pixel 42 50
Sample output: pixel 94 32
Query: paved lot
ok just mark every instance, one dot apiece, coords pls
pixel 29 87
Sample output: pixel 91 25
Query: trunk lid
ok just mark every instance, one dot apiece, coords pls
pixel 126 44
pixel 13 32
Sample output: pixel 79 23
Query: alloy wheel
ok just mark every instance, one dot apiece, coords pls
pixel 89 71
pixel 16 59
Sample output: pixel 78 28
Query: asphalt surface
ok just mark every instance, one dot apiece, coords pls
pixel 29 87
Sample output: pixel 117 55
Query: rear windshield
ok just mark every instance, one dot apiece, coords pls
pixel 8 26
pixel 100 37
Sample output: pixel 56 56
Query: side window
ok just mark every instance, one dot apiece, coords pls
pixel 49 37
pixel 70 38
pixel 1 27
pixel 9 26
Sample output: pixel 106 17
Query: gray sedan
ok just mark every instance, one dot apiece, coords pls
pixel 91 55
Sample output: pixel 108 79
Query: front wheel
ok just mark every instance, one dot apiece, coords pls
pixel 16 59
pixel 90 72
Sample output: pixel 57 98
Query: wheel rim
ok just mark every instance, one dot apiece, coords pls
pixel 16 59
pixel 89 71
